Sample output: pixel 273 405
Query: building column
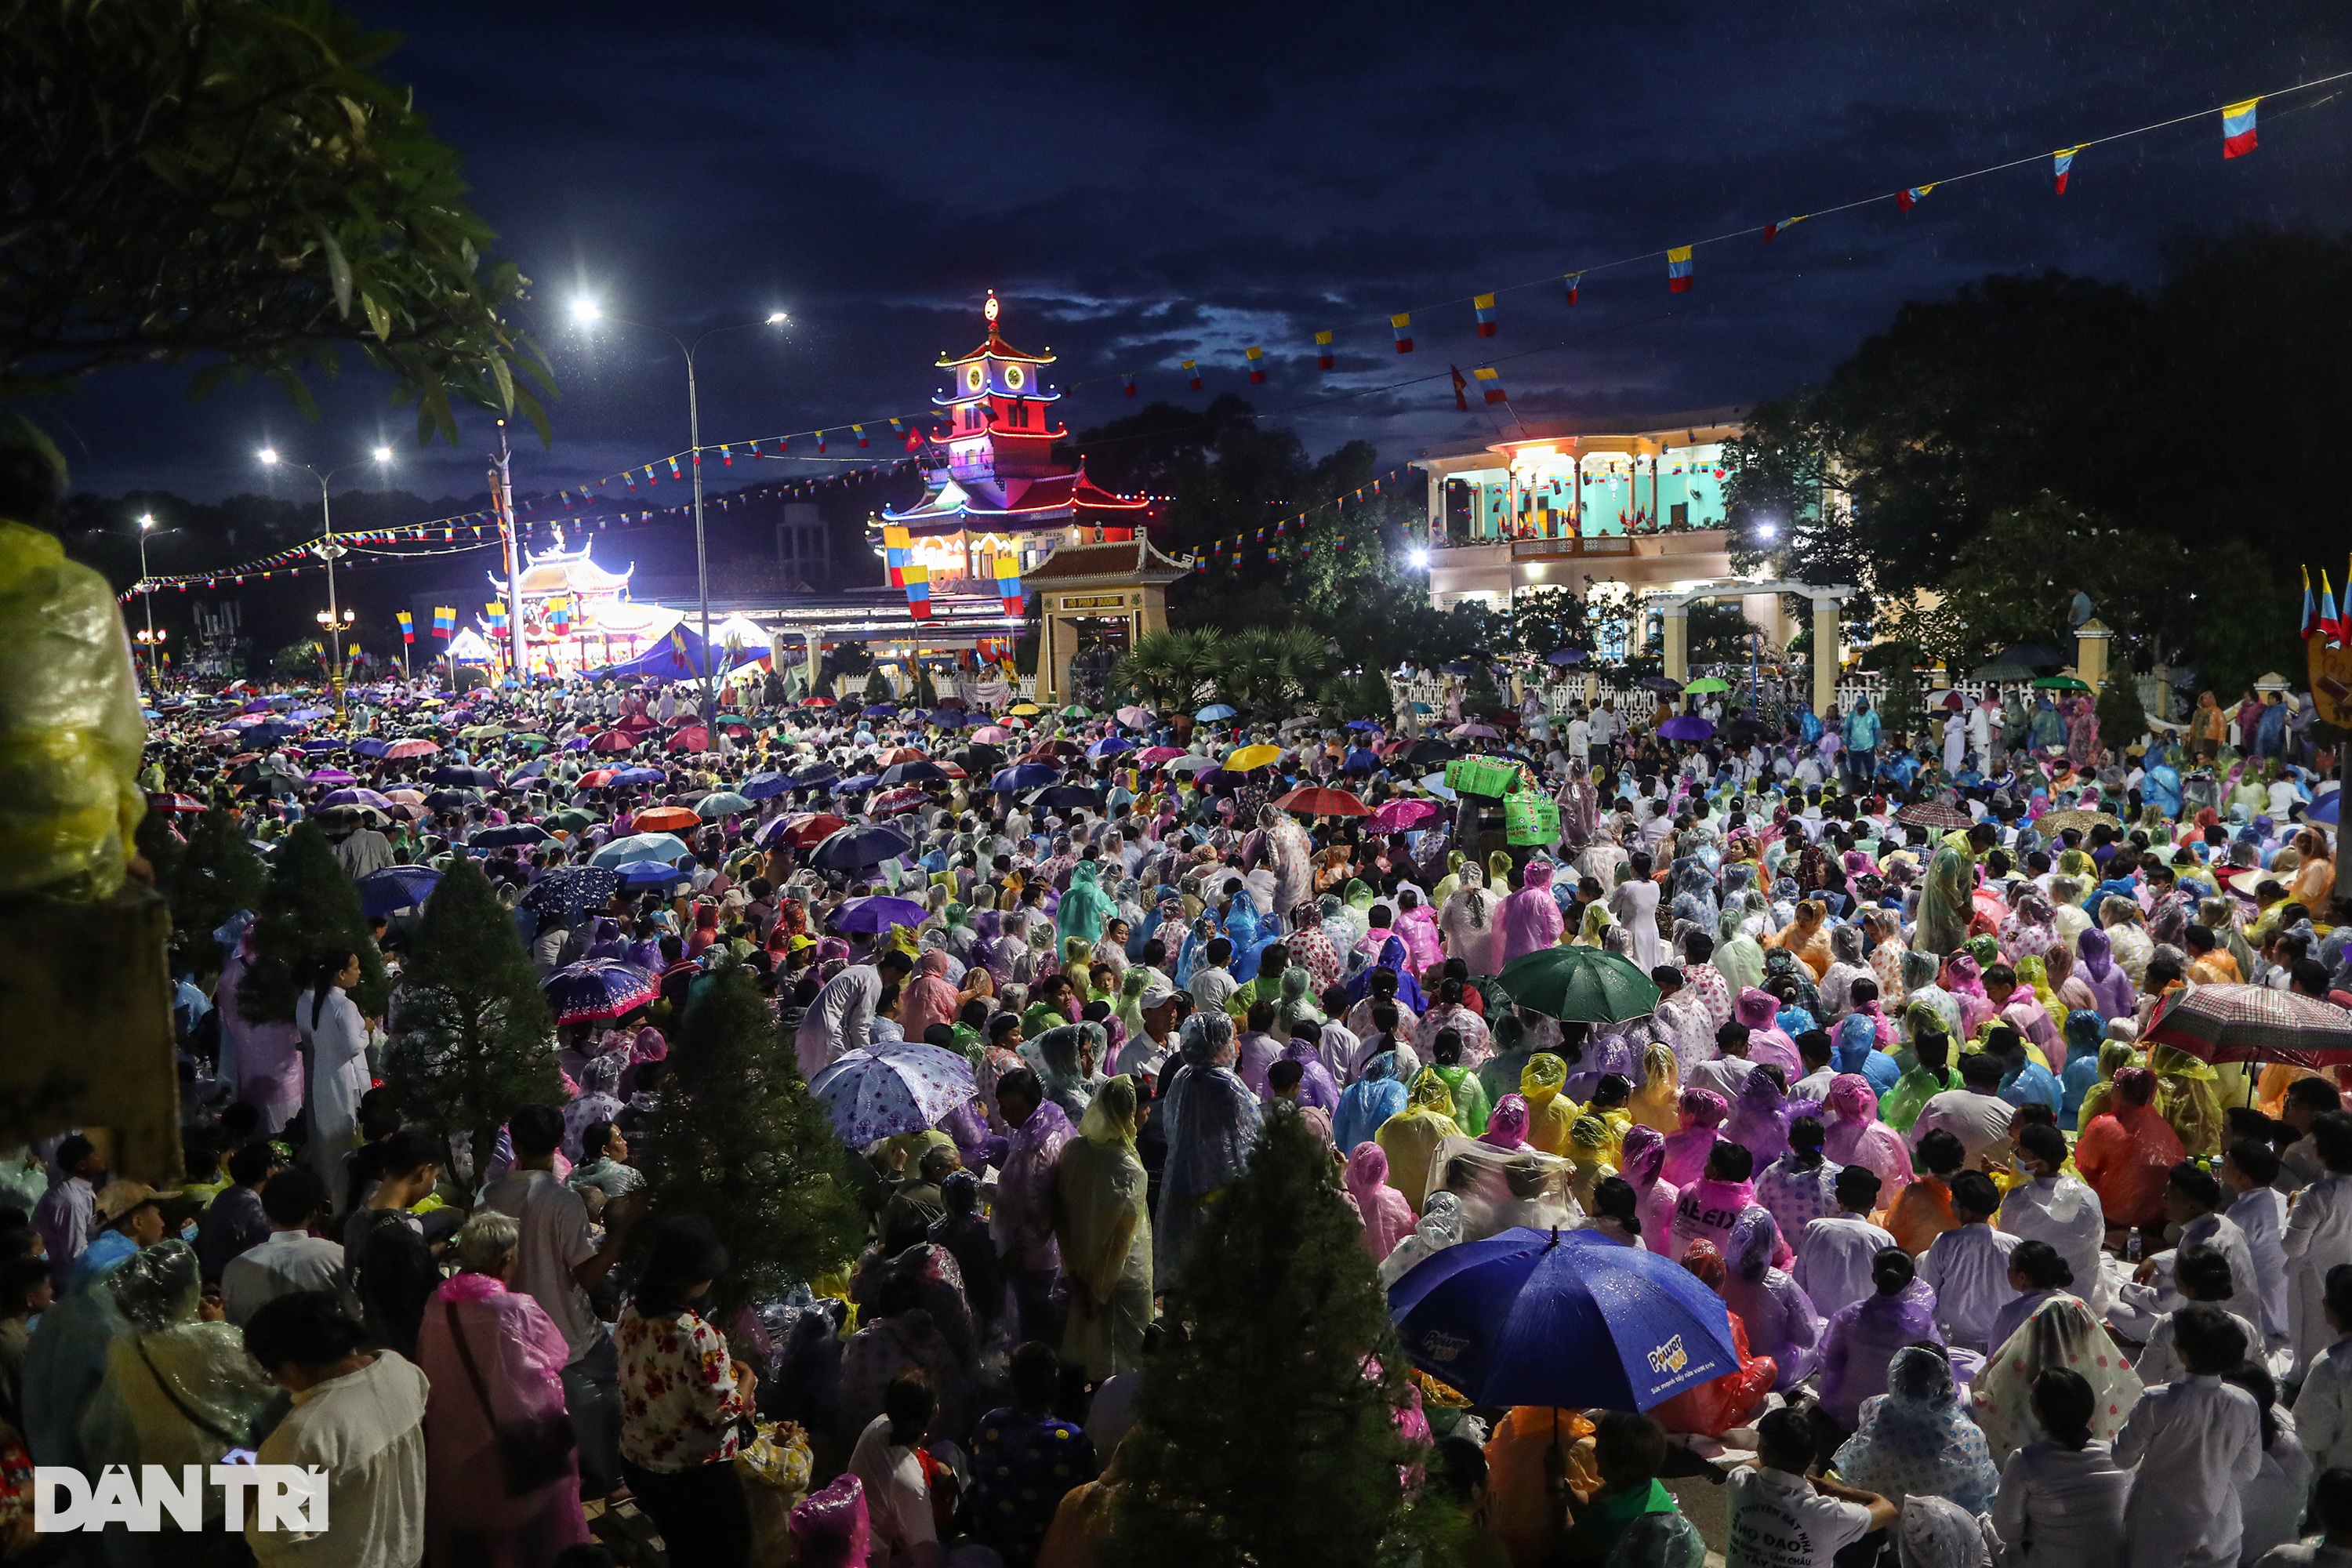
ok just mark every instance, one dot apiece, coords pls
pixel 1825 655
pixel 1066 648
pixel 1045 660
pixel 2091 639
pixel 1676 622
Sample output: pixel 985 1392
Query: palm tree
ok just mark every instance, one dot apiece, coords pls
pixel 1167 668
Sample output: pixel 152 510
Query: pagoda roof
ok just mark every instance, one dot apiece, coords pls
pixel 996 347
pixel 560 572
pixel 1028 503
pixel 1127 561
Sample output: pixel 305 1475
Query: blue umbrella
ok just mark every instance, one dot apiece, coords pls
pixel 913 773
pixel 529 770
pixel 1024 775
pixel 370 747
pixel 639 875
pixel 760 787
pixel 1362 724
pixel 878 711
pixel 636 776
pixel 598 988
pixel 620 851
pixel 813 778
pixel 857 785
pixel 949 719
pixel 1215 710
pixel 1109 746
pixel 314 748
pixel 872 917
pixel 565 893
pixel 1685 727
pixel 1565 656
pixel 395 888
pixel 2325 808
pixel 883 1092
pixel 855 848
pixel 1567 1319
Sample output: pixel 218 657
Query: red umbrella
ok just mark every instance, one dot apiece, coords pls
pixel 808 831
pixel 613 741
pixel 902 754
pixel 665 819
pixel 1053 752
pixel 412 748
pixel 1152 756
pixel 1317 801
pixel 174 803
pixel 693 737
pixel 897 799
pixel 2252 1024
pixel 596 777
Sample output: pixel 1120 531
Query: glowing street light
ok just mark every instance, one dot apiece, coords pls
pixel 332 616
pixel 151 638
pixel 587 312
pixel 1419 557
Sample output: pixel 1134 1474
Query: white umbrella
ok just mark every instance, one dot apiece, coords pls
pixel 884 1090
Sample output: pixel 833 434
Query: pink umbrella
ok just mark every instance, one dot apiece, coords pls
pixel 1460 732
pixel 1135 718
pixel 991 734
pixel 1399 815
pixel 412 749
pixel 1152 756
pixel 693 737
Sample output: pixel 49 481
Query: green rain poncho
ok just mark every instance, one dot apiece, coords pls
pixel 1085 908
pixel 1946 896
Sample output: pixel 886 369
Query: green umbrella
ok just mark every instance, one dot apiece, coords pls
pixel 1707 683
pixel 1075 711
pixel 2059 683
pixel 1580 985
pixel 573 820
pixel 532 740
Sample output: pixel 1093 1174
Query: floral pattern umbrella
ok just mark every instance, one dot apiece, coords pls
pixel 598 988
pixel 883 1092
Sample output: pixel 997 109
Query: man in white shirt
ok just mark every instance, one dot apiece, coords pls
pixel 1728 1073
pixel 291 1258
pixel 1779 1518
pixel 2323 1410
pixel 841 1019
pixel 1834 1255
pixel 2197 1442
pixel 1212 986
pixel 1969 1265
pixel 2259 1210
pixel 557 1259
pixel 1156 1041
pixel 1579 739
pixel 1974 1112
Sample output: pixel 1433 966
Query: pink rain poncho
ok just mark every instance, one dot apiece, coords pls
pixel 1768 1043
pixel 1388 1218
pixel 1530 919
pixel 1778 1314
pixel 1507 1124
pixel 1703 1112
pixel 1856 1136
pixel 2111 989
pixel 1653 1200
pixel 1759 1121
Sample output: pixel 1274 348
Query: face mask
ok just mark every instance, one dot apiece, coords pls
pixel 188 1233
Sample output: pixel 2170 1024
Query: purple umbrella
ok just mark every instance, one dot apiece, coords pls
pixel 1685 727
pixel 330 776
pixel 897 1088
pixel 599 988
pixel 356 797
pixel 871 917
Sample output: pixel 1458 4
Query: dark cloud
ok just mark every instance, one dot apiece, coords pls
pixel 1149 184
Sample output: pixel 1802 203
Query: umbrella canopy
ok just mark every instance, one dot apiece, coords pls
pixel 511 834
pixel 638 875
pixel 1428 753
pixel 1933 814
pixel 412 747
pixel 872 917
pixel 1570 1321
pixel 1109 746
pixel 1134 718
pixel 1565 656
pixel 991 735
pixel 570 819
pixel 1580 985
pixel 569 891
pixel 920 770
pixel 722 803
pixel 2060 682
pixel 1685 727
pixel 817 777
pixel 395 888
pixel 480 778
pixel 1707 683
pixel 1067 797
pixel 333 797
pixel 1152 756
pixel 2251 1023
pixel 1316 801
pixel 1192 762
pixel 666 819
pixel 613 741
pixel 597 988
pixel 1396 815
pixel 328 776
pixel 1023 776
pixel 2058 821
pixel 1248 757
pixel 763 786
pixel 190 803
pixel 1213 711
pixel 1484 731
pixel 693 737
pixel 884 1091
pixel 637 775
pixel 1023 710
pixel 855 848
pixel 802 832
pixel 900 799
pixel 857 785
pixel 636 846
pixel 1660 683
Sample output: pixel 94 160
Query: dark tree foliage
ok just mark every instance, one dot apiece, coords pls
pixel 739 1140
pixel 228 181
pixel 473 1040
pixel 309 909
pixel 210 877
pixel 1279 1300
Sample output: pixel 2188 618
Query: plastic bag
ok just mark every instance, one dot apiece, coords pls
pixel 71 732
pixel 775 1468
pixel 1530 819
pixel 1482 776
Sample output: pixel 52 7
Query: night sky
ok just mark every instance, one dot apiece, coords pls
pixel 1145 185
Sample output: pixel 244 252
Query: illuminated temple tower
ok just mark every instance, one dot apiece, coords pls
pixel 993 489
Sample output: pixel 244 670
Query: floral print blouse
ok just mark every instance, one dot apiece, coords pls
pixel 680 1403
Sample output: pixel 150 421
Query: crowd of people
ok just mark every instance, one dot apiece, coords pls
pixel 2003 1276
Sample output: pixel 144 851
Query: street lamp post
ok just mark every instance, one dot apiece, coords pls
pixel 327 551
pixel 147 593
pixel 587 312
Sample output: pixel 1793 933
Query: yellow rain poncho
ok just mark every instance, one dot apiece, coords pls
pixel 1411 1137
pixel 1548 1116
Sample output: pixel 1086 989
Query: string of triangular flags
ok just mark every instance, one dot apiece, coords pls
pixel 2238 138
pixel 1232 549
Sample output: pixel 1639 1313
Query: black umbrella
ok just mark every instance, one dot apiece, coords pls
pixel 1065 797
pixel 1427 754
pixel 449 799
pixel 513 833
pixel 979 760
pixel 1659 683
pixel 855 848
pixel 565 893
pixel 913 773
pixel 481 778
